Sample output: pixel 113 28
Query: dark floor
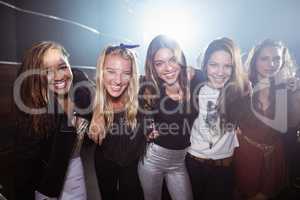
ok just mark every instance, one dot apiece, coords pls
pixel 291 193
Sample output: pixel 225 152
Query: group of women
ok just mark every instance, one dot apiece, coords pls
pixel 200 134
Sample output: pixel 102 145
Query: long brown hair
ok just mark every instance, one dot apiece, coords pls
pixel 236 85
pixel 287 62
pixel 159 42
pixel 33 89
pixel 285 71
pixel 226 44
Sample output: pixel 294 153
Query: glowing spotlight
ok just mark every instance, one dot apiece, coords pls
pixel 174 22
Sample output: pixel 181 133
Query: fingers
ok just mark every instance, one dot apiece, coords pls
pixel 152 136
pixel 96 133
pixel 97 129
pixel 73 121
pixel 91 133
pixel 238 131
pixel 155 134
pixel 100 138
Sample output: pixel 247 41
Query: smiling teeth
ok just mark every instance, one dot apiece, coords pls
pixel 170 75
pixel 60 84
pixel 116 88
pixel 220 78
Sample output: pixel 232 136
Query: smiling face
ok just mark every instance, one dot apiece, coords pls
pixel 219 69
pixel 59 74
pixel 268 62
pixel 116 75
pixel 166 66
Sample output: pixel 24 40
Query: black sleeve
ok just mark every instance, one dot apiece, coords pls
pixel 27 149
pixel 198 78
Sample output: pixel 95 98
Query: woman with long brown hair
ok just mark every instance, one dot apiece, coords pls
pixel 213 135
pixel 261 170
pixel 169 97
pixel 48 147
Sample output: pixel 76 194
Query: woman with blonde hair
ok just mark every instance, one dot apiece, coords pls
pixel 117 125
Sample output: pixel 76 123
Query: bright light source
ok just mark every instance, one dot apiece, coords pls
pixel 174 22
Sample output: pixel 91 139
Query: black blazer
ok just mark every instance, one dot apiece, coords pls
pixel 42 162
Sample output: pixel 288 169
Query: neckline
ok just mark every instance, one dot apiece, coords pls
pixel 212 88
pixel 169 98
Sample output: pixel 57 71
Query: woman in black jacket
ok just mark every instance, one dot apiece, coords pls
pixel 49 161
pixel 118 125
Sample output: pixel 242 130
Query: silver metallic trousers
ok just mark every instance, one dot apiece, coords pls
pixel 159 164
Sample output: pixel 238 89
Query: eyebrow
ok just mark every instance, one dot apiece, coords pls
pixel 112 68
pixel 159 60
pixel 212 62
pixel 62 62
pixel 108 67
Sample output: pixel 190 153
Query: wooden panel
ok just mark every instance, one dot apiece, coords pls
pixel 8 74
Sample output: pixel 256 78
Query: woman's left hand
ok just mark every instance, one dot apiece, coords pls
pixel 97 131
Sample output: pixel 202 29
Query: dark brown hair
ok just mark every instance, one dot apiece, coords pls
pixel 159 42
pixel 287 62
pixel 33 91
pixel 236 86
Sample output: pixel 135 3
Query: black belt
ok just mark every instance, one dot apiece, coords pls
pixel 225 162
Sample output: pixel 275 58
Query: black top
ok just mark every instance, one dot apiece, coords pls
pixel 42 161
pixel 123 145
pixel 174 119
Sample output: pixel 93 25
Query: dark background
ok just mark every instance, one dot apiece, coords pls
pixel 247 22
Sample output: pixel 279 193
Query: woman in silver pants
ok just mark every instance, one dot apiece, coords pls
pixel 159 164
pixel 167 93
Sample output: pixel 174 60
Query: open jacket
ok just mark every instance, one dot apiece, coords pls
pixel 42 162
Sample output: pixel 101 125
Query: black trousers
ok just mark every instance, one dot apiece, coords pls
pixel 292 149
pixel 118 182
pixel 210 182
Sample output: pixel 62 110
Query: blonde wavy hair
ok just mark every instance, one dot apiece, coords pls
pixel 102 104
